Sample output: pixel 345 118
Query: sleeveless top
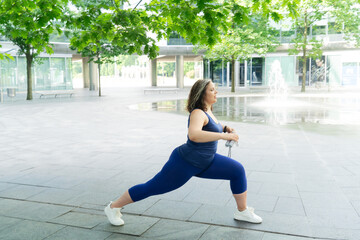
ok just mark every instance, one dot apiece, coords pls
pixel 197 154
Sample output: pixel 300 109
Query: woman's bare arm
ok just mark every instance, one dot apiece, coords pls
pixel 197 120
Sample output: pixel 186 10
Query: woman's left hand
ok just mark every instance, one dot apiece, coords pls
pixel 229 129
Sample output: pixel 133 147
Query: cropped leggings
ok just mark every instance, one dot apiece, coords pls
pixel 176 172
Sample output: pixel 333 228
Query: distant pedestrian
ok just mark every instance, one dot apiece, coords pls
pixel 197 157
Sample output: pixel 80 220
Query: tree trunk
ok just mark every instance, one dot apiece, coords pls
pixel 233 76
pixel 99 68
pixel 304 72
pixel 304 54
pixel 29 61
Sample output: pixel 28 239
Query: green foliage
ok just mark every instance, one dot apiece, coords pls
pixel 127 60
pixel 199 22
pixel 29 24
pixel 108 69
pixel 6 56
pixel 166 69
pixel 103 31
pixel 243 41
pixel 347 19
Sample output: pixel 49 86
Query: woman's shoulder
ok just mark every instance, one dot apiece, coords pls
pixel 198 113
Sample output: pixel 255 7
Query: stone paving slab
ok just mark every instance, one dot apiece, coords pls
pixel 141 206
pixel 171 229
pixel 29 230
pixel 292 206
pixel 224 233
pixel 78 234
pixel 6 222
pixel 21 192
pixel 135 225
pixel 172 209
pixel 66 159
pixel 54 195
pixel 34 211
pixel 116 236
pixel 77 219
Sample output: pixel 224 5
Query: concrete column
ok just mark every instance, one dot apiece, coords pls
pixel 228 74
pixel 222 72
pixel 94 76
pixel 237 73
pixel 179 70
pixel 153 72
pixel 209 72
pixel 245 73
pixel 86 73
pixel 116 69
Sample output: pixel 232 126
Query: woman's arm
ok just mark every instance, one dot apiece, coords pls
pixel 197 120
pixel 228 129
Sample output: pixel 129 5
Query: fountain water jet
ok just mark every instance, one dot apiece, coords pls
pixel 277 102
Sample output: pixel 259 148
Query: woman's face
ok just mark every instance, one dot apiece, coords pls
pixel 210 94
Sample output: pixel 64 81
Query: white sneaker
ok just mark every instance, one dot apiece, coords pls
pixel 114 215
pixel 251 209
pixel 247 215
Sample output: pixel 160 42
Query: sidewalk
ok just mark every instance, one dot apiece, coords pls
pixel 62 160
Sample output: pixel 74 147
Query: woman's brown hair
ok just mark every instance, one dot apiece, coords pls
pixel 197 94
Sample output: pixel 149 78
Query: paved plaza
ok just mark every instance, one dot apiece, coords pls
pixel 62 160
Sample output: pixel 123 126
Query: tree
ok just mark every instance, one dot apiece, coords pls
pixel 28 24
pixel 309 12
pixel 102 30
pixel 242 41
pixel 204 21
pixel 346 18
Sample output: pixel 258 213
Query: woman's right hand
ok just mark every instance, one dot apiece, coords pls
pixel 231 136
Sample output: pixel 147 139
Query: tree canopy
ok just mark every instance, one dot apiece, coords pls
pixel 28 25
pixel 344 15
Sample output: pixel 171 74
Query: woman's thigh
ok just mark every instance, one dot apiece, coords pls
pixel 226 168
pixel 223 167
pixel 175 173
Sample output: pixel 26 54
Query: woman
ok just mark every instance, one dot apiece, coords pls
pixel 197 157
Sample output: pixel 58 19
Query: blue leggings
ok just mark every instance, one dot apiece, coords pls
pixel 176 172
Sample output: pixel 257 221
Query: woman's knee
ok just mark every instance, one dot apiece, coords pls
pixel 239 170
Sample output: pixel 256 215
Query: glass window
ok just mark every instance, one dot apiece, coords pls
pixel 68 80
pixel 349 73
pixel 288 70
pixel 176 39
pixel 206 68
pixel 22 74
pixel 217 72
pixel 334 70
pixel 41 78
pixel 318 30
pixel 57 73
pixel 287 36
pixel 242 74
pixel 256 73
pixel 299 70
pixel 287 64
pixel 332 29
pixel 8 73
pixel 318 71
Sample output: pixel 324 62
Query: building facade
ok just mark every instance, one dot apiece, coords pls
pixel 338 66
pixel 178 66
